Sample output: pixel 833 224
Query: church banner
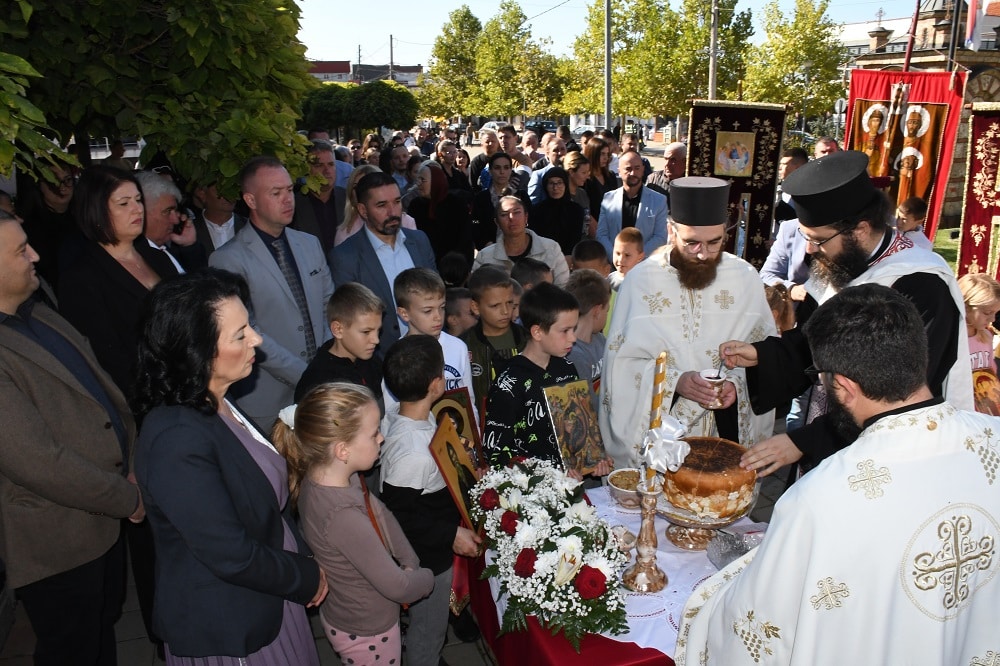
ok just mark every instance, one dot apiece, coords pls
pixel 980 230
pixel 740 143
pixel 906 122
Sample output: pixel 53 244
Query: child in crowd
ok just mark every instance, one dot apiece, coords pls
pixel 458 314
pixel 415 491
pixel 593 293
pixel 420 302
pixel 454 269
pixel 910 218
pixel 591 254
pixel 517 417
pixel 331 436
pixel 355 317
pixel 782 307
pixel 982 302
pixel 515 313
pixel 528 272
pixel 627 252
pixel 494 339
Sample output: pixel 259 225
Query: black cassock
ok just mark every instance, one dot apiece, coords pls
pixel 780 372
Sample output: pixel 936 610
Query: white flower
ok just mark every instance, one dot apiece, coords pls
pixel 512 500
pixel 569 564
pixel 519 479
pixel 581 512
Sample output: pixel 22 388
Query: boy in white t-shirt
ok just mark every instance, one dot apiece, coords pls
pixel 420 302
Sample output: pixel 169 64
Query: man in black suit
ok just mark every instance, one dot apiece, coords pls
pixel 381 250
pixel 217 223
pixel 320 212
pixel 167 226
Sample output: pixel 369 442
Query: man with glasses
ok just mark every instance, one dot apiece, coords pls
pixel 684 300
pixel 847 227
pixel 885 553
pixel 48 220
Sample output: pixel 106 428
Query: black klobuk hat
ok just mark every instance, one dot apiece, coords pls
pixel 831 188
pixel 697 201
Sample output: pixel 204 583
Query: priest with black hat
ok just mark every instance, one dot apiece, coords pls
pixel 685 300
pixel 846 223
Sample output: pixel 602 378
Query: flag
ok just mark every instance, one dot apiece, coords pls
pixel 973 37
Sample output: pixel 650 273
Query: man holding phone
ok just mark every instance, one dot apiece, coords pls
pixel 168 228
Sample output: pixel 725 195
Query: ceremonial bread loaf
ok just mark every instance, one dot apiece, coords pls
pixel 711 483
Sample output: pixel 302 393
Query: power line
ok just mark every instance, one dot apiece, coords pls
pixel 564 2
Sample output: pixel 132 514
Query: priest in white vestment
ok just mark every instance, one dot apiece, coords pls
pixel 685 300
pixel 887 552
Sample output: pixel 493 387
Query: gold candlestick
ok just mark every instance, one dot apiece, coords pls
pixel 645 575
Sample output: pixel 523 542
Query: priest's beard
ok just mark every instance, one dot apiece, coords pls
pixel 694 273
pixel 840 270
pixel 840 418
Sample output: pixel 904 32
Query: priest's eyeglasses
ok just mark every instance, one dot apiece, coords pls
pixel 816 243
pixel 712 246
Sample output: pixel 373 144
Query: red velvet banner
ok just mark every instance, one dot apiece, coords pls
pixel 977 252
pixel 906 122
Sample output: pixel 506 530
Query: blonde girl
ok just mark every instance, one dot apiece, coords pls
pixel 328 439
pixel 982 302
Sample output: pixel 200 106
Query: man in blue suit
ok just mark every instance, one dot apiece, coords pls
pixel 381 250
pixel 633 205
pixel 289 287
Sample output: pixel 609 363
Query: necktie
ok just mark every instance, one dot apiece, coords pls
pixel 298 293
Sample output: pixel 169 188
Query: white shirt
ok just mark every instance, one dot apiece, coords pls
pixel 394 259
pixel 221 233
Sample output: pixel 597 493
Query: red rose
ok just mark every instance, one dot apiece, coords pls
pixel 508 522
pixel 590 582
pixel 516 460
pixel 524 565
pixel 490 499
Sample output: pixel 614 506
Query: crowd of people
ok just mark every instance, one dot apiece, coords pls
pixel 240 392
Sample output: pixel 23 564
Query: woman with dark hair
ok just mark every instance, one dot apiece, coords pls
pixel 558 217
pixel 447 157
pixel 442 214
pixel 372 141
pixel 101 292
pixel 234 575
pixel 602 180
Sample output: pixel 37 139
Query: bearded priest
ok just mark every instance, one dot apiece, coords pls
pixel 685 299
pixel 886 553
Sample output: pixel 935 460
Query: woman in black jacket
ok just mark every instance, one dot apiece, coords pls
pixel 558 217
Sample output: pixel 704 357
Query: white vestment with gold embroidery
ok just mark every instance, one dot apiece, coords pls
pixel 654 313
pixel 886 553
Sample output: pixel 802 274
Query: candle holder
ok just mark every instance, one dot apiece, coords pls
pixel 645 575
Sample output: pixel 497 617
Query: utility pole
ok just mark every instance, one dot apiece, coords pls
pixel 713 50
pixel 607 63
pixel 391 77
pixel 358 77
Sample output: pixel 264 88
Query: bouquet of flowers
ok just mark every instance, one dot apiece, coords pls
pixel 554 558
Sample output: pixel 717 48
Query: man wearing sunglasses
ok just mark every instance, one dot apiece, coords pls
pixel 684 299
pixel 885 553
pixel 847 226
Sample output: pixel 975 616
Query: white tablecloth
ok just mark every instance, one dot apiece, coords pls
pixel 653 619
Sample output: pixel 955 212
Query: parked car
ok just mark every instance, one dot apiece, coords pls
pixel 540 127
pixel 494 125
pixel 799 137
pixel 580 129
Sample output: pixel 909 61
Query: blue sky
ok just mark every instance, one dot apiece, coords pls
pixel 333 29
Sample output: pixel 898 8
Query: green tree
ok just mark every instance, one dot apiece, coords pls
pixel 327 106
pixel 498 59
pixel 449 87
pixel 799 63
pixel 381 103
pixel 210 83
pixel 660 55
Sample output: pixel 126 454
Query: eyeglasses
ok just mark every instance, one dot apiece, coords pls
pixel 712 246
pixel 816 243
pixel 355 147
pixel 812 372
pixel 68 181
pixel 162 170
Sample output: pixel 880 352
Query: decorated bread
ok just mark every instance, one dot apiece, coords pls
pixel 711 483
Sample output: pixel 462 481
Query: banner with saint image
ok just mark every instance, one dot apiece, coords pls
pixel 980 229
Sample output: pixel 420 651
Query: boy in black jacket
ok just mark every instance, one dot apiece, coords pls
pixel 517 418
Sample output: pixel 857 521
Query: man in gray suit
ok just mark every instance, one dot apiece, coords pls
pixel 381 250
pixel 65 445
pixel 633 205
pixel 289 287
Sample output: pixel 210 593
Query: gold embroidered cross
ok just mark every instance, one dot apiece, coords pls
pixel 830 594
pixel 724 299
pixel 960 557
pixel 870 480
